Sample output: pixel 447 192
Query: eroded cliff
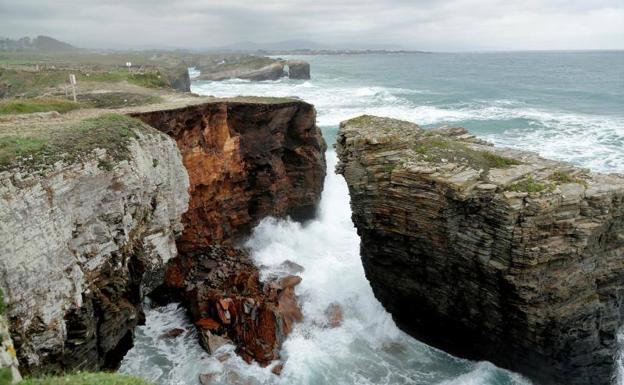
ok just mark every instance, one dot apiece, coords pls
pixel 246 160
pixel 90 210
pixel 489 253
pixel 84 233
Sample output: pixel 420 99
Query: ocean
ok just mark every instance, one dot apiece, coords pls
pixel 563 105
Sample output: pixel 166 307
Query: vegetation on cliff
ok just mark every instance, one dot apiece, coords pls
pixel 28 106
pixel 31 83
pixel 85 379
pixel 33 149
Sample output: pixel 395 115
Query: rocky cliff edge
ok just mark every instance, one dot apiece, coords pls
pixel 490 253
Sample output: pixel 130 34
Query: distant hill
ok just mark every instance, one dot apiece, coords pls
pixel 38 44
pixel 49 44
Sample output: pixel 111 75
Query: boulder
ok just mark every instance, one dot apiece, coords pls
pixel 222 289
pixel 489 253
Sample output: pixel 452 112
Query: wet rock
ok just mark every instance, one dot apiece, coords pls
pixel 223 357
pixel 211 341
pixel 291 267
pixel 334 315
pixel 246 161
pixel 225 296
pixel 208 378
pixel 277 369
pixel 489 253
pixel 173 333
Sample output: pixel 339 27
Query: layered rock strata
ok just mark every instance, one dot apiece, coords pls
pixel 246 160
pixel 272 71
pixel 81 243
pixel 228 303
pixel 489 253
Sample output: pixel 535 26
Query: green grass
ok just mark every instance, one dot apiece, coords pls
pixel 5 376
pixel 86 379
pixel 28 106
pixel 14 147
pixel 117 99
pixel 530 185
pixel 435 148
pixel 561 177
pixel 27 83
pixel 110 132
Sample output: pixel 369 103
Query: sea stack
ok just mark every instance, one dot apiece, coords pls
pixel 298 69
pixel 489 253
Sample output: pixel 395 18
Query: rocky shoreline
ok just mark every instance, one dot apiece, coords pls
pixel 86 239
pixel 489 253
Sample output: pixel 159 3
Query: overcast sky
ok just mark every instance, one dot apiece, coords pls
pixel 437 25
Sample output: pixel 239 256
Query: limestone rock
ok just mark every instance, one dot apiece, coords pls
pixel 80 245
pixel 8 358
pixel 246 161
pixel 298 69
pixel 222 289
pixel 489 253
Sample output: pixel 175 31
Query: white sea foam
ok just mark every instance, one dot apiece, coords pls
pixel 367 348
pixel 592 141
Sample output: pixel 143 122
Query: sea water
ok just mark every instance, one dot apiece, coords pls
pixel 563 105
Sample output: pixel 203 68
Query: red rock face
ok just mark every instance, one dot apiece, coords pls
pixel 221 287
pixel 245 161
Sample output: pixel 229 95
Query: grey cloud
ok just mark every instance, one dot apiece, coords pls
pixel 414 24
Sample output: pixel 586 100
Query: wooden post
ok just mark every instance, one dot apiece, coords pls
pixel 72 81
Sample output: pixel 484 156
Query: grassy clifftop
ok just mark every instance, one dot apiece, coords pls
pixel 86 379
pixel 33 149
pixel 29 83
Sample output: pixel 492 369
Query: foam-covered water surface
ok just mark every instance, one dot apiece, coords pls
pixel 566 106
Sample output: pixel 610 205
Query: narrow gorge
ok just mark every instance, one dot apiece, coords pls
pixel 86 238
